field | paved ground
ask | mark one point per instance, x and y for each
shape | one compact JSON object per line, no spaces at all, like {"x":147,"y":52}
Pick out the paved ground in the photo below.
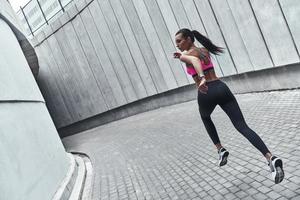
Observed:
{"x":167,"y":154}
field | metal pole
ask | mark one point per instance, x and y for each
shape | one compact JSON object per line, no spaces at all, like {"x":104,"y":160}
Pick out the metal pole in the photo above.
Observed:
{"x":42,"y":11}
{"x":26,"y":20}
{"x":61,"y":6}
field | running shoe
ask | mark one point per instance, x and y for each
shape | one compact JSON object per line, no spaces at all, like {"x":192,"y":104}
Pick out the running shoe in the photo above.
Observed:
{"x":276,"y":167}
{"x":223,"y":155}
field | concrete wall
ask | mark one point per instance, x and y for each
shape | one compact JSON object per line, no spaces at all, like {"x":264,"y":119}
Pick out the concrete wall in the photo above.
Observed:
{"x":102,"y":55}
{"x":33,"y":160}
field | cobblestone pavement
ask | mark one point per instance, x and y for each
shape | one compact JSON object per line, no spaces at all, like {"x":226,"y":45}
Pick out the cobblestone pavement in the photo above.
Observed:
{"x":167,"y":154}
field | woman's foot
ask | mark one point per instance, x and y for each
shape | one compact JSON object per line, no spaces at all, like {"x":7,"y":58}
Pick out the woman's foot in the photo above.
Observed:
{"x":276,"y":167}
{"x":223,"y":155}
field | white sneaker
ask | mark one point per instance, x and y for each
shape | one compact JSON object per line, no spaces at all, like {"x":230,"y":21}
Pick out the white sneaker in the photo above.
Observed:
{"x":276,"y":167}
{"x":223,"y":155}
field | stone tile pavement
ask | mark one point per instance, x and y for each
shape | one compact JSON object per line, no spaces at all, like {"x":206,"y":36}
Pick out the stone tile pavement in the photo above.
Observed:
{"x":167,"y":154}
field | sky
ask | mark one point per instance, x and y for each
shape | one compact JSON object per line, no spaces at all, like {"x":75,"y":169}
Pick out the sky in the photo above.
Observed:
{"x":17,"y":3}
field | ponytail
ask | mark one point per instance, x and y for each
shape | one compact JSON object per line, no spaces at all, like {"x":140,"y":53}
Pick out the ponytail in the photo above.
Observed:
{"x":202,"y":39}
{"x":207,"y":43}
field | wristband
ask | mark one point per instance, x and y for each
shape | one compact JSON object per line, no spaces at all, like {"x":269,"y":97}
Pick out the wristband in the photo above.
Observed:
{"x":201,"y":76}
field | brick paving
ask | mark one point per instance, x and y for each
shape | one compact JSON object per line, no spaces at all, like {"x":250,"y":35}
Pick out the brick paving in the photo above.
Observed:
{"x":167,"y":154}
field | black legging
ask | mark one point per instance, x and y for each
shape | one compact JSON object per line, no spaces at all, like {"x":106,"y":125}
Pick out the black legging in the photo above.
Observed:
{"x":219,"y":94}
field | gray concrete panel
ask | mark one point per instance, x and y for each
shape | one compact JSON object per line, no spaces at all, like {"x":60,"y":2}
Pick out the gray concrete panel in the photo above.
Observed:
{"x":50,"y":87}
{"x":144,"y":45}
{"x":275,"y":31}
{"x":92,"y":84}
{"x":54,"y":26}
{"x":17,"y":81}
{"x":62,"y":74}
{"x":33,"y":159}
{"x":180,"y":14}
{"x":81,"y":4}
{"x":166,"y":40}
{"x":134,"y":48}
{"x":291,"y":10}
{"x":80,"y":70}
{"x":232,"y":36}
{"x":78,"y":77}
{"x":155,"y":44}
{"x":96,"y":68}
{"x":63,"y":55}
{"x":112,"y":52}
{"x":108,"y":101}
{"x":64,"y":18}
{"x":193,"y":16}
{"x":122,"y":49}
{"x":171,"y":24}
{"x":105,"y":70}
{"x":169,"y":17}
{"x":73,"y":11}
{"x":41,"y":36}
{"x":213,"y":32}
{"x":250,"y":34}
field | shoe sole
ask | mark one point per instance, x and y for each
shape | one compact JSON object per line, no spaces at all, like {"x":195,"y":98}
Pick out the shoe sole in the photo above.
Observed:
{"x":224,"y":160}
{"x":279,"y":171}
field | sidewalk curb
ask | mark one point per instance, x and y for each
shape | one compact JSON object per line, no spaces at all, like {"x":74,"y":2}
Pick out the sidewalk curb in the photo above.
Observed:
{"x":80,"y":179}
{"x":68,"y":182}
{"x":88,"y":186}
{"x":77,"y":183}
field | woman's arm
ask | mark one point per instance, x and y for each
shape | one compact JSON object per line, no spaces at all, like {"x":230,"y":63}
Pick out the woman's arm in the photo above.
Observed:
{"x":193,"y":61}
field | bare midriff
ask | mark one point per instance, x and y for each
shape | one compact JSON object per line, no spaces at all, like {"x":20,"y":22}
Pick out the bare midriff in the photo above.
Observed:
{"x":210,"y":75}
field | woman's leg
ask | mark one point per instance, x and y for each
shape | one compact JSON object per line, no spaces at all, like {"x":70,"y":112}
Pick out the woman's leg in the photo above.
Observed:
{"x":232,"y":109}
{"x":229,"y":104}
{"x":206,"y":107}
{"x":212,"y":132}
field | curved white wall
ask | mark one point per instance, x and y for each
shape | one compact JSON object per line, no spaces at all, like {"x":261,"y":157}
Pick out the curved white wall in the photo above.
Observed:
{"x":15,"y":73}
{"x":33,"y":160}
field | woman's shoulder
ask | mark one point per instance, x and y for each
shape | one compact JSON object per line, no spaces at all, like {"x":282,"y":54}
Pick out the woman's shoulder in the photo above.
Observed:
{"x":198,"y":50}
{"x":202,"y":48}
{"x":194,"y":52}
{"x":204,"y":55}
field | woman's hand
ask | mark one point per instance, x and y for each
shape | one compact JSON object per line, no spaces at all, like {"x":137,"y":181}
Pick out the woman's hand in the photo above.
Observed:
{"x":202,"y":87}
{"x":177,"y":55}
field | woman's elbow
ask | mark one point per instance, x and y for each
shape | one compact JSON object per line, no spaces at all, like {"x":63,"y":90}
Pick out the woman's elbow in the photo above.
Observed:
{"x":195,"y":61}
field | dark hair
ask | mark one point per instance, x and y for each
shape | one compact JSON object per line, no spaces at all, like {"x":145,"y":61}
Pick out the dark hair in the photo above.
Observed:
{"x":202,"y":39}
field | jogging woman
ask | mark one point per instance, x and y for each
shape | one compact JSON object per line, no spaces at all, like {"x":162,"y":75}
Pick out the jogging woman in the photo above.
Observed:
{"x":213,"y":92}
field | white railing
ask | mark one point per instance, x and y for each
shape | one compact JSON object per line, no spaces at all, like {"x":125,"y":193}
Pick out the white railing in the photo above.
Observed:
{"x":39,"y":13}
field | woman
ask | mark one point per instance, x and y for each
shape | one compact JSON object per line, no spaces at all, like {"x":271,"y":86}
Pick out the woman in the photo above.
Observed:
{"x":212,"y":92}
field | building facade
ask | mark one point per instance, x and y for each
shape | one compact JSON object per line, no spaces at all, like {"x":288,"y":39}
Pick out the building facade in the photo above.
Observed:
{"x":107,"y":59}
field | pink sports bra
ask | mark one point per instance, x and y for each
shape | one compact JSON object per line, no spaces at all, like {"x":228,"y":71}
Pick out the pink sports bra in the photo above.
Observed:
{"x":191,"y":70}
